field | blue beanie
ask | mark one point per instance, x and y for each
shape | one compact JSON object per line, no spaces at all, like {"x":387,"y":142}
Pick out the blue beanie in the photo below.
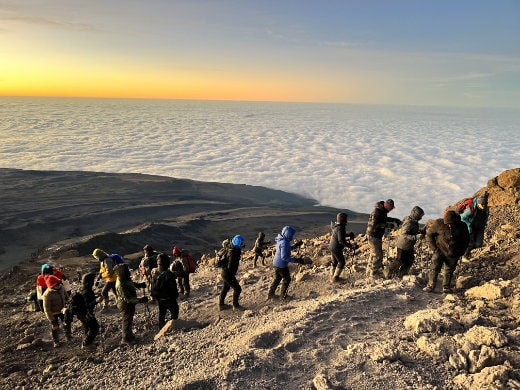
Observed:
{"x":237,"y":241}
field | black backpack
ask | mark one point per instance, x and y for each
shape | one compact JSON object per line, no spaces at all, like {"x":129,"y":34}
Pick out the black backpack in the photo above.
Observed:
{"x":163,"y":285}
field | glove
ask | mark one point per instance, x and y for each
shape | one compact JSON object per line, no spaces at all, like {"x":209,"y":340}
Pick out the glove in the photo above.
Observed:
{"x":298,"y":243}
{"x":143,"y":300}
{"x":351,"y":235}
{"x":298,"y":260}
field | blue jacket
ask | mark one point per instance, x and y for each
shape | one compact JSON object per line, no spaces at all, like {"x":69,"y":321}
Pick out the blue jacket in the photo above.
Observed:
{"x":282,"y":257}
{"x":476,"y":220}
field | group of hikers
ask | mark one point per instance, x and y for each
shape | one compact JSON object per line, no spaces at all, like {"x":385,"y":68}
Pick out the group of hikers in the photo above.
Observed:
{"x":455,"y":235}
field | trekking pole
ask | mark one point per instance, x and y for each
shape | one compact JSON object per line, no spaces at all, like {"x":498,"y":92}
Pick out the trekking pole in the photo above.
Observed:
{"x":147,"y":309}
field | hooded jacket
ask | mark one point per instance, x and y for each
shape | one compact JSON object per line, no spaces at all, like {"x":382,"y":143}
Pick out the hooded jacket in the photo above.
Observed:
{"x":477,"y":219}
{"x":338,"y":239}
{"x":125,"y":288}
{"x":282,"y":257}
{"x":448,"y":235}
{"x":377,"y":220}
{"x":54,"y":300}
{"x":410,"y":229}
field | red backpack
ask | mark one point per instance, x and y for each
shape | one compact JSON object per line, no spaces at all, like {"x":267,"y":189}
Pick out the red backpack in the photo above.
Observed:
{"x":463,"y":204}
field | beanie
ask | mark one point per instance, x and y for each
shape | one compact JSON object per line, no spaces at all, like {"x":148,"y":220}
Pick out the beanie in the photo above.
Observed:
{"x":389,"y":204}
{"x":46,"y":269}
{"x":52,"y":281}
{"x":176,"y":252}
{"x":237,"y":241}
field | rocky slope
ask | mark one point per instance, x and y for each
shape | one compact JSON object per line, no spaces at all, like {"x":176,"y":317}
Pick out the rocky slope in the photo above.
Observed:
{"x":358,"y":334}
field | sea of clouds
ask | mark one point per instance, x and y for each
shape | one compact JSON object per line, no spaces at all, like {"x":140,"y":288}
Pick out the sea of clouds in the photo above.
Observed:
{"x":345,"y":156}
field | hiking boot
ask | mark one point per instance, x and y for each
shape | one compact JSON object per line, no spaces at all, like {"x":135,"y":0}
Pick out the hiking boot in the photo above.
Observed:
{"x":447,"y":290}
{"x":238,"y":308}
{"x":68,"y":336}
{"x":223,"y":306}
{"x":272,"y":296}
{"x":428,"y":289}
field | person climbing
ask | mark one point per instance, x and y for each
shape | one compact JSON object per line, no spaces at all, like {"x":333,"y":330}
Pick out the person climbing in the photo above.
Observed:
{"x":126,"y":294}
{"x":281,"y":260}
{"x":148,"y":263}
{"x":54,"y":300}
{"x":475,"y":218}
{"x":164,"y":290}
{"x":259,"y":247}
{"x":377,"y":224}
{"x":448,"y":237}
{"x":107,"y":273}
{"x":228,"y":273}
{"x":338,"y":241}
{"x":409,"y":234}
{"x":82,"y":305}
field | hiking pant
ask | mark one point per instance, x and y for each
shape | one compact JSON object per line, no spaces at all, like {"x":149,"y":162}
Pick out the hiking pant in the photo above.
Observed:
{"x":258,"y":254}
{"x":90,"y":327}
{"x":375,"y":265}
{"x":55,"y":326}
{"x":109,"y":286}
{"x":184,"y":283}
{"x":476,"y":240}
{"x":404,"y":261}
{"x":438,"y":261}
{"x":279,"y":275}
{"x":166,"y":305}
{"x":230,"y":281}
{"x":338,"y":260}
{"x":127,"y":317}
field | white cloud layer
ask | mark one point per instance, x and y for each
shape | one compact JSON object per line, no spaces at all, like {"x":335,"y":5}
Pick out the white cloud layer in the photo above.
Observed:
{"x":345,"y":156}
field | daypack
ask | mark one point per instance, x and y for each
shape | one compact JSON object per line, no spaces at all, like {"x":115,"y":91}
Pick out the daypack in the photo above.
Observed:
{"x":118,"y":259}
{"x":163,"y":285}
{"x":463,"y":204}
{"x":222,"y":258}
{"x":192,"y":264}
{"x":177,"y":268}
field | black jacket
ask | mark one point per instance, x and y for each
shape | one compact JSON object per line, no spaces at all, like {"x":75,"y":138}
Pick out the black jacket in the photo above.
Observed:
{"x":450,"y":239}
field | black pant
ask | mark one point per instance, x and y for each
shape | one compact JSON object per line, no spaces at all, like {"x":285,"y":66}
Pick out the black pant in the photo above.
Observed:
{"x":166,"y":305}
{"x":109,"y":286}
{"x":402,"y":263}
{"x":230,"y":281}
{"x":338,"y":259}
{"x":127,"y":316}
{"x":279,"y":275}
{"x":184,"y":283}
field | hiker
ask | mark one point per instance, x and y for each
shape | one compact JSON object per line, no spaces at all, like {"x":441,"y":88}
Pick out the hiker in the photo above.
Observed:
{"x":82,"y":305}
{"x":183,"y":278}
{"x":475,"y":218}
{"x":259,"y":247}
{"x":41,"y":284}
{"x":54,"y":300}
{"x":410,"y":233}
{"x":107,"y":273}
{"x":229,"y":271}
{"x":164,"y":290}
{"x":282,"y":258}
{"x":148,"y":263}
{"x":449,"y":238}
{"x":338,"y":241}
{"x":377,"y":224}
{"x":126,"y":301}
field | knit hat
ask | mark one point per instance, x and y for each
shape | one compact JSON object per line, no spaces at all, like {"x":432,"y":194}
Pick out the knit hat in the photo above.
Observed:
{"x":451,"y":217}
{"x":237,"y":241}
{"x":46,"y":269}
{"x":176,"y":252}
{"x":52,"y":281}
{"x":389,"y":204}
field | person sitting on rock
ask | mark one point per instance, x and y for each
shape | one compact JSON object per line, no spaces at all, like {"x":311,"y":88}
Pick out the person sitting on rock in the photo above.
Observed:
{"x":281,"y":260}
{"x":448,"y":237}
{"x":406,"y":240}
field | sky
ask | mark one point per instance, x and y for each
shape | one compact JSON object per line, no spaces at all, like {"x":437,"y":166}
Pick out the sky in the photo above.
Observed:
{"x":459,"y":53}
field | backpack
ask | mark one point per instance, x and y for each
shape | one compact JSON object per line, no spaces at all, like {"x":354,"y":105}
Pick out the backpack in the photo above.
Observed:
{"x":461,"y":206}
{"x":177,"y":268}
{"x":117,"y":258}
{"x":163,"y":285}
{"x":192,"y":264}
{"x":222,"y":258}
